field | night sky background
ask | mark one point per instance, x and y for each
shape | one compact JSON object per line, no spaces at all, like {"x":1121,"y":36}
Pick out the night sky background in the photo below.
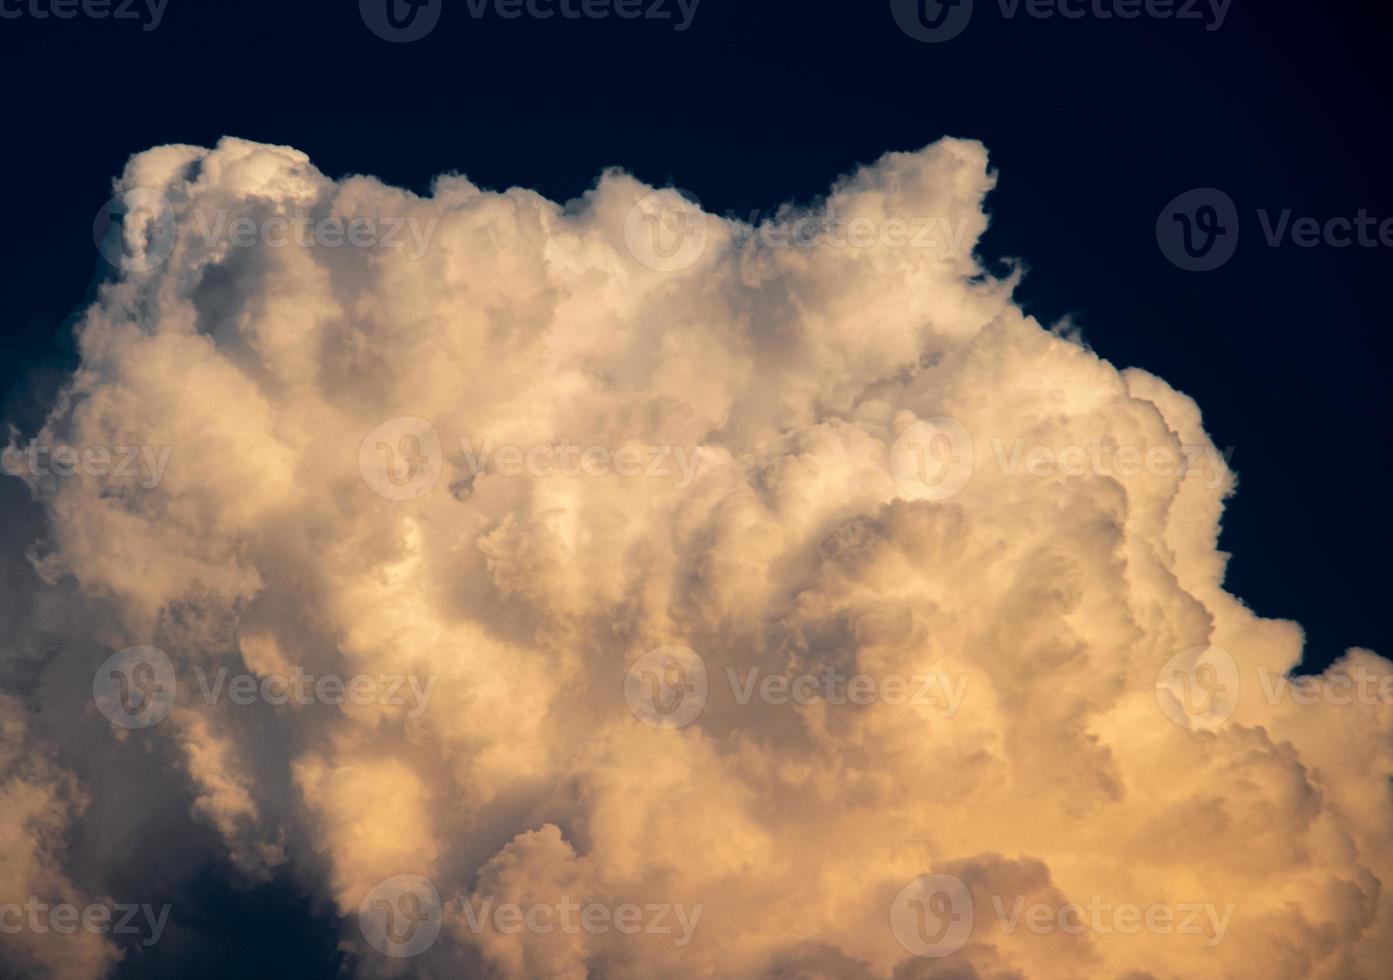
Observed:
{"x":1092,"y":125}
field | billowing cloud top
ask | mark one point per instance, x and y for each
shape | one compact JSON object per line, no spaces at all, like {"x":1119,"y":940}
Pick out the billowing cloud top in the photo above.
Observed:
{"x":781,"y":581}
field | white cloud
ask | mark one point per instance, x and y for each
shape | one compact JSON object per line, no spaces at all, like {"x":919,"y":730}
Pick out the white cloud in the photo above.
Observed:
{"x":40,"y":802}
{"x":1054,"y":599}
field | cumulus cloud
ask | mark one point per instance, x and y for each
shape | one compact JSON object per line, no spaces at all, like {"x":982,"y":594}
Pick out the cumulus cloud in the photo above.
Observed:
{"x":40,"y":801}
{"x":931,"y":558}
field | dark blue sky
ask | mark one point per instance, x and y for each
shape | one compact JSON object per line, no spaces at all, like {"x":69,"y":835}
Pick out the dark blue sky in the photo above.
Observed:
{"x":1093,"y":125}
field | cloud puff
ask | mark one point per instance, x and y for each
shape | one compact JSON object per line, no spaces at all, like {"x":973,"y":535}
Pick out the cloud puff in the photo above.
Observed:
{"x":40,"y":801}
{"x":931,"y":555}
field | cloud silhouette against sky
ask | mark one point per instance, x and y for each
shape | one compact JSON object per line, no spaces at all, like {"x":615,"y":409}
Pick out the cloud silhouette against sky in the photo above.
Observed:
{"x":948,"y":581}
